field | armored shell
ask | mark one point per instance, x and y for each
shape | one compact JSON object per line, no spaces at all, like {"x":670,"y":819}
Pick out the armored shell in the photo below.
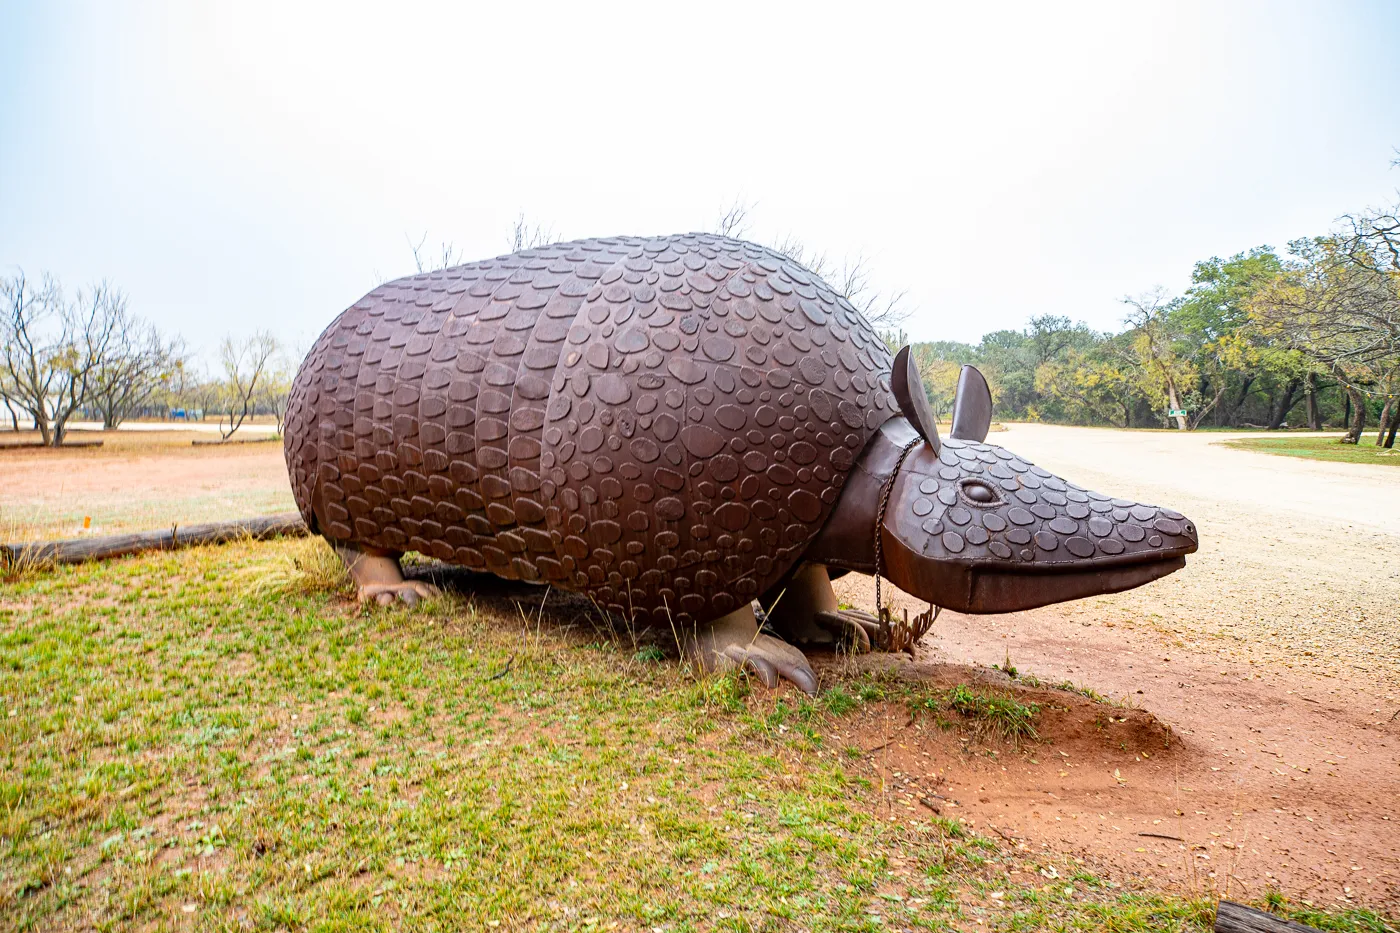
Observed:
{"x":662,"y":423}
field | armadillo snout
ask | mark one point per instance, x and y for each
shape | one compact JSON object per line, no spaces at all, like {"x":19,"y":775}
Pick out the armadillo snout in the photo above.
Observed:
{"x":977,"y":514}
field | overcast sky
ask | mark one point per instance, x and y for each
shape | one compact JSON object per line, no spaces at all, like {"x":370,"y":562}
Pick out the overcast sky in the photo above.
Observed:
{"x":237,"y":166}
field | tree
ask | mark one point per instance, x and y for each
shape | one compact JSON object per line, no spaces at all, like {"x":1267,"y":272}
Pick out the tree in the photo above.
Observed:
{"x":1098,"y":384}
{"x":447,"y":257}
{"x":525,"y":235}
{"x":1338,"y":305}
{"x":7,"y":392}
{"x":734,"y":222}
{"x":245,"y":363}
{"x":50,"y":348}
{"x":1165,"y":370}
{"x":139,"y":361}
{"x":276,"y":389}
{"x":1232,"y":359}
{"x":885,"y":311}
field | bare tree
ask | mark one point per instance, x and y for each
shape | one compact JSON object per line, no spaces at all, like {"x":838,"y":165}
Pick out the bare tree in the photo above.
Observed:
{"x":8,"y":391}
{"x":850,"y":279}
{"x":139,"y":362}
{"x":245,"y":364}
{"x":447,"y":256}
{"x":50,"y":348}
{"x":276,"y":389}
{"x":734,"y":222}
{"x":1372,"y":237}
{"x":884,"y":310}
{"x":524,"y":235}
{"x":1341,"y":309}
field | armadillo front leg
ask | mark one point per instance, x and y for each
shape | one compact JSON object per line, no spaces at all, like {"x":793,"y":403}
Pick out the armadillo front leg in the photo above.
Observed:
{"x":807,"y":613}
{"x":733,"y":641}
{"x":377,"y":575}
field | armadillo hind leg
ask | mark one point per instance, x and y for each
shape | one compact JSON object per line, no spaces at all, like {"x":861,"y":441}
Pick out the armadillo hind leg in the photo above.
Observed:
{"x":806,"y":613}
{"x":733,"y":642}
{"x":378,"y":577}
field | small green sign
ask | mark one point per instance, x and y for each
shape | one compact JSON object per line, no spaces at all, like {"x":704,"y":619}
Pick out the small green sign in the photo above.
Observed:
{"x":1177,"y":413}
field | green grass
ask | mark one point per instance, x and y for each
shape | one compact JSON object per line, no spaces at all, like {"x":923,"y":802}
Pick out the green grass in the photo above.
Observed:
{"x":217,"y":739}
{"x":1321,"y":448}
{"x":999,"y":715}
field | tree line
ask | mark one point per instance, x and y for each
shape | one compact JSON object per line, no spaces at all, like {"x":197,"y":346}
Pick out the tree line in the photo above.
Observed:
{"x":86,"y":356}
{"x":1261,"y":339}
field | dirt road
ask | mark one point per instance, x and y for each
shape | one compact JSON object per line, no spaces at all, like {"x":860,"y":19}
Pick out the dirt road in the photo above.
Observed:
{"x":137,"y":481}
{"x":1274,"y":657}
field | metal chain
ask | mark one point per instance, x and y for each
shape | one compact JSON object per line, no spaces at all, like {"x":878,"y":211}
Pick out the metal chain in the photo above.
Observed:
{"x":880,"y":520}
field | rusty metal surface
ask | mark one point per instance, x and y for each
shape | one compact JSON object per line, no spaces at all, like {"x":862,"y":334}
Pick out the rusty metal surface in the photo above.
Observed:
{"x":972,"y":413}
{"x":662,"y":423}
{"x":990,"y":532}
{"x":973,"y":527}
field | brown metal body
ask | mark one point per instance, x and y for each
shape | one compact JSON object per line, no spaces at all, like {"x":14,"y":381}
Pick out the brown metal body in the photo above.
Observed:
{"x":670,"y":425}
{"x":661,"y":423}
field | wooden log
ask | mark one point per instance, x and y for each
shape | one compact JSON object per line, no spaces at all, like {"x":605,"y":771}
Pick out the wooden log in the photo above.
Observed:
{"x":203,"y":442}
{"x":80,"y":550}
{"x":1236,"y":918}
{"x":40,"y":445}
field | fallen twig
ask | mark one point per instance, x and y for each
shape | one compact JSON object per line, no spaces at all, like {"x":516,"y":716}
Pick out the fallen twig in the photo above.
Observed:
{"x":1162,"y":836}
{"x":503,"y":671}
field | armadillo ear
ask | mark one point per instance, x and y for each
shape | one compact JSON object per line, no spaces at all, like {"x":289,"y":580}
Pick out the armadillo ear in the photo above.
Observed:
{"x":913,"y":401}
{"x":972,"y":412}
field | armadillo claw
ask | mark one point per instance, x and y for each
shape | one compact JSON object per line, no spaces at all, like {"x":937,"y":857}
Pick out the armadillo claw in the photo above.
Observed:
{"x":850,"y":627}
{"x":410,"y":592}
{"x":771,"y":658}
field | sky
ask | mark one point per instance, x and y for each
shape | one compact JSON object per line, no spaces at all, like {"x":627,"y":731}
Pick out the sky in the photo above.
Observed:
{"x":235,"y":167}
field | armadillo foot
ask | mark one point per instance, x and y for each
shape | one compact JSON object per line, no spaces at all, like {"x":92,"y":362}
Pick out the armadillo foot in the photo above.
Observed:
{"x":855,"y":630}
{"x":378,"y":576}
{"x":411,"y":592}
{"x":806,"y":613}
{"x":733,"y":642}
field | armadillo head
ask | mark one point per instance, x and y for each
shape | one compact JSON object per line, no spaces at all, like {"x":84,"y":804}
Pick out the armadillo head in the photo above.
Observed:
{"x":972,"y":527}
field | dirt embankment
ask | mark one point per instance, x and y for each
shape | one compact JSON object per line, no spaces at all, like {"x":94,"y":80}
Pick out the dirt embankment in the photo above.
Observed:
{"x":1274,"y":658}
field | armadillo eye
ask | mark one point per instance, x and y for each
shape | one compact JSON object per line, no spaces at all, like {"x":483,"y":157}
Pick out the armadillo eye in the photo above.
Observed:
{"x":979,"y":492}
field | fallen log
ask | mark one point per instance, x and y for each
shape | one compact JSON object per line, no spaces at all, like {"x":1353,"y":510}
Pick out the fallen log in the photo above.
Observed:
{"x":1236,"y":918}
{"x":80,"y":550}
{"x":210,"y":442}
{"x":40,"y":445}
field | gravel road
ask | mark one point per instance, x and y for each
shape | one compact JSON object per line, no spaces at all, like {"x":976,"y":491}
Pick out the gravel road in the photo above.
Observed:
{"x":1274,"y":656}
{"x":1299,"y":559}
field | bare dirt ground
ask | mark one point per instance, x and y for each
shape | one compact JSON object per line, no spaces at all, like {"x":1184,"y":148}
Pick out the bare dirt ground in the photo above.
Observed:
{"x":137,"y":480}
{"x":1274,"y":657}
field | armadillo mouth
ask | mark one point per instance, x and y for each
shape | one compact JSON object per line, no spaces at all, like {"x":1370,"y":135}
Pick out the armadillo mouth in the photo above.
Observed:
{"x":981,"y":588}
{"x":990,"y":590}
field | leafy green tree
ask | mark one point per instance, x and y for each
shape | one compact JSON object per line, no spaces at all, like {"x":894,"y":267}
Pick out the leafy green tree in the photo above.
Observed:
{"x":1338,"y":306}
{"x":1094,"y":386}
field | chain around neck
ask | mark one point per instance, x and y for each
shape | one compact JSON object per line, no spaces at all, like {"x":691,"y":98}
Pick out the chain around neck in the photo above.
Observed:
{"x":885,"y":493}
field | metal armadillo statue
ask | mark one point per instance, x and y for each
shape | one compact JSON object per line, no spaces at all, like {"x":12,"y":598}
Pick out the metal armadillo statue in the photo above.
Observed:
{"x":677,"y":426}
